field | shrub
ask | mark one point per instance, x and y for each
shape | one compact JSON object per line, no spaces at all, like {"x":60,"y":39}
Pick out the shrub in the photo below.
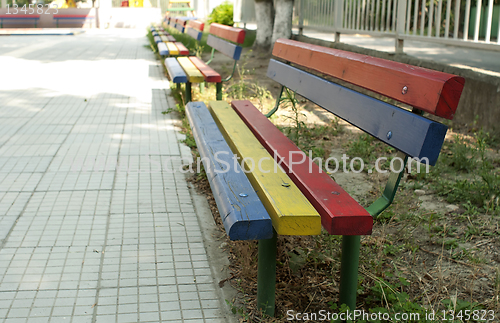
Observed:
{"x":222,"y":14}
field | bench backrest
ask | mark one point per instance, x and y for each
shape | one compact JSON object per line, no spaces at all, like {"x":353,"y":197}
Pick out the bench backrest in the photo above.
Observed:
{"x":180,"y":24}
{"x":195,"y":29}
{"x":226,"y":40}
{"x":425,"y":90}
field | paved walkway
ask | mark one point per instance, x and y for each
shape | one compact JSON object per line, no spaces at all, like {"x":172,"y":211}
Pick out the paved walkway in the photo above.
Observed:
{"x":94,"y":224}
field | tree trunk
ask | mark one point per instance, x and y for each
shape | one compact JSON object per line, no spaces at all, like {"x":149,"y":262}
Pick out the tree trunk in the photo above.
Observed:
{"x":264,"y":13}
{"x":283,"y":20}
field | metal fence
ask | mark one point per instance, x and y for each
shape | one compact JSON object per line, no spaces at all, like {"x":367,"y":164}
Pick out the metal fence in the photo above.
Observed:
{"x":457,"y":22}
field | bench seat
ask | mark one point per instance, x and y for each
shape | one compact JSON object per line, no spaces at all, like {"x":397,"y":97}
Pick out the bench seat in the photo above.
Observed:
{"x":242,"y":213}
{"x":194,"y":70}
{"x":290,"y":211}
{"x":340,"y":213}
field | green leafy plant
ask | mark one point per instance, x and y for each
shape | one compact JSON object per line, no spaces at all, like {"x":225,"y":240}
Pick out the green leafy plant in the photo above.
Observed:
{"x":222,"y":14}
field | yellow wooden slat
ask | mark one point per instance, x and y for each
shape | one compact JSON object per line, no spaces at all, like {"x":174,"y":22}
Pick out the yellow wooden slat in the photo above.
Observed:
{"x":194,"y":75}
{"x":172,"y":49}
{"x":164,"y":38}
{"x":290,"y":211}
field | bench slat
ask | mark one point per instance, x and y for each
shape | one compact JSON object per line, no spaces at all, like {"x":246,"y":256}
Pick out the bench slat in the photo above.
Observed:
{"x":434,"y":92}
{"x":157,"y":39}
{"x":340,"y":213}
{"x":164,"y":38}
{"x":236,"y":35}
{"x":179,"y":27}
{"x":171,"y":38}
{"x":182,"y":49}
{"x":291,"y":212}
{"x":172,"y":49}
{"x":163,"y":49}
{"x":196,"y":24}
{"x":193,"y":74}
{"x":175,"y":70}
{"x":194,"y":33}
{"x":228,"y":49}
{"x":210,"y":75}
{"x":244,"y":217}
{"x":412,"y":134}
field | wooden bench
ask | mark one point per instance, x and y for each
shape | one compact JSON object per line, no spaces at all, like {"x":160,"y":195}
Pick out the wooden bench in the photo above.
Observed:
{"x":307,"y":70}
{"x":224,"y":39}
{"x":166,"y":43}
{"x":18,"y":18}
{"x":72,"y":18}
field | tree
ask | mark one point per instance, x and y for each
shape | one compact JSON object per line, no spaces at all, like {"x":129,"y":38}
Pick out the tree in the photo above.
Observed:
{"x":264,"y":14}
{"x":283,"y":20}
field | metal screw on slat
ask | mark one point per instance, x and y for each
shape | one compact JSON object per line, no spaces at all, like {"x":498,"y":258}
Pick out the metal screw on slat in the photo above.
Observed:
{"x":285,"y":185}
{"x":335,"y":193}
{"x":389,"y":135}
{"x":243,"y":195}
{"x":405,"y":90}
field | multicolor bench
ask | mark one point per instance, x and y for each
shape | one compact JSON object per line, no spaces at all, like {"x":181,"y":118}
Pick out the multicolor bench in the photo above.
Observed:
{"x":302,"y":197}
{"x":72,"y":19}
{"x":166,"y":43}
{"x":18,"y":18}
{"x":188,"y":70}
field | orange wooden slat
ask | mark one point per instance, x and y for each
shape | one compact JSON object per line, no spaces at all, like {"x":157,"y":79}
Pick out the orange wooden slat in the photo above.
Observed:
{"x":196,"y":24}
{"x":233,"y":34}
{"x":434,"y":92}
{"x":182,"y":49}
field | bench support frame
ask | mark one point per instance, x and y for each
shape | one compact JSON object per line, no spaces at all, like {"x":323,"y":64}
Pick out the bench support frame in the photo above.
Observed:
{"x":266,"y":275}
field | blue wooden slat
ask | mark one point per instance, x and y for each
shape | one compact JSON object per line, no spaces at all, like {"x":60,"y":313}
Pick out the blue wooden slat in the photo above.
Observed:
{"x":157,"y":39}
{"x":243,"y":214}
{"x":163,"y":49}
{"x":194,"y":33}
{"x":175,"y":70}
{"x":179,"y":27}
{"x":412,"y":134}
{"x":231,"y":50}
{"x":155,"y":33}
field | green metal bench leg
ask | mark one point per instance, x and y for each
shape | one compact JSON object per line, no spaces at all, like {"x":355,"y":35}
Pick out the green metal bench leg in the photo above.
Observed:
{"x":188,"y":92}
{"x":266,"y":275}
{"x":202,"y":87}
{"x":349,"y":270}
{"x":218,"y":88}
{"x":178,"y":86}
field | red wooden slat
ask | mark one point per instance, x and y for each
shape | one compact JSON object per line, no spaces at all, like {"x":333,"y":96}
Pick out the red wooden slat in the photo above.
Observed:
{"x":210,"y":75}
{"x":182,"y":49}
{"x":340,"y":213}
{"x":196,"y":24}
{"x":233,"y":34}
{"x":434,"y":92}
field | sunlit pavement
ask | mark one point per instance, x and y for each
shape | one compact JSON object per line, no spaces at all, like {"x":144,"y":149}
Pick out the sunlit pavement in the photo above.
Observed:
{"x":95,"y":224}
